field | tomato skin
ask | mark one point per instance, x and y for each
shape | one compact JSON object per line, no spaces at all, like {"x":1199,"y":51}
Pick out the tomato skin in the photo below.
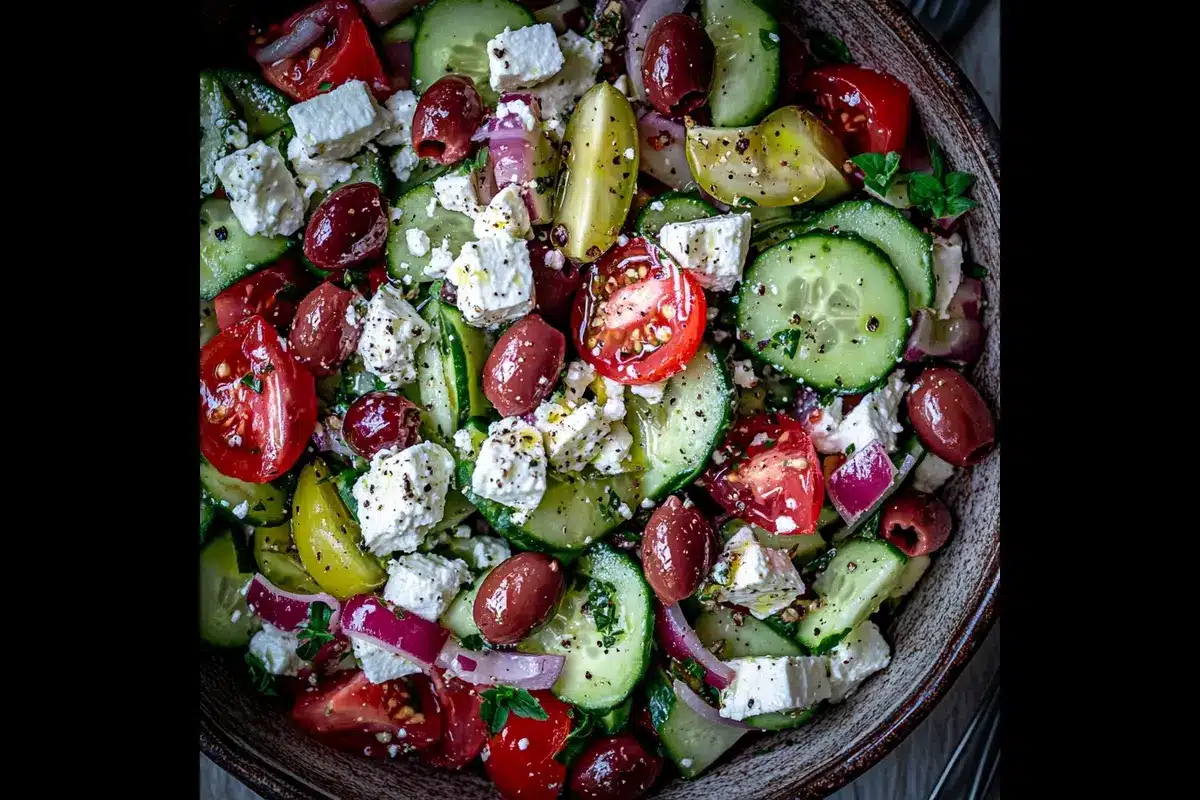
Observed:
{"x":464,"y":733}
{"x":348,"y":711}
{"x":882,"y":101}
{"x":532,"y":773}
{"x":779,"y":476}
{"x":254,"y":436}
{"x":271,"y":292}
{"x":346,"y":54}
{"x":613,"y":312}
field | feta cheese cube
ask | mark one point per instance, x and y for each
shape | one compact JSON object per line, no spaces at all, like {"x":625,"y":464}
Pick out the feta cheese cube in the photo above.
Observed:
{"x":338,"y":123}
{"x":380,"y":665}
{"x":457,"y":193}
{"x":440,"y":260}
{"x":652,"y":393}
{"x":316,"y":174}
{"x":511,"y":466}
{"x":947,"y":271}
{"x":425,"y":584}
{"x":494,"y":280}
{"x":520,"y":109}
{"x":506,"y":213}
{"x":261,"y":191}
{"x":714,"y":248}
{"x":931,"y":473}
{"x":581,"y":61}
{"x":764,"y":685}
{"x":400,"y":108}
{"x":614,"y":450}
{"x":391,"y":334}
{"x":614,"y":400}
{"x":861,"y":654}
{"x":875,"y":417}
{"x":277,"y":649}
{"x":579,"y":377}
{"x":402,"y":161}
{"x":743,"y":374}
{"x":518,"y":59}
{"x":463,"y":443}
{"x":403,"y":496}
{"x":763,"y":579}
{"x":573,"y":437}
{"x":417,"y":241}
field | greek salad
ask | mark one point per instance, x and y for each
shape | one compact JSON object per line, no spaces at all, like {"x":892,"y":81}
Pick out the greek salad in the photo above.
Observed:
{"x":575,"y":382}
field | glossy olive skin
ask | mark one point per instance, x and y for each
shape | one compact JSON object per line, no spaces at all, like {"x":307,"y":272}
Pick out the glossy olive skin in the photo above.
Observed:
{"x":447,"y":116}
{"x":614,"y":768}
{"x":322,"y":337}
{"x":349,"y":227}
{"x":677,"y":65}
{"x":554,"y":289}
{"x":328,"y":538}
{"x":950,"y":417}
{"x":677,"y":550}
{"x":381,"y":420}
{"x":517,"y":596}
{"x":915,"y":522}
{"x":523,"y":367}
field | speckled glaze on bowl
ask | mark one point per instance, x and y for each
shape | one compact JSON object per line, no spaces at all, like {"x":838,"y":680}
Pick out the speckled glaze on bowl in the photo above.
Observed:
{"x":934,"y":635}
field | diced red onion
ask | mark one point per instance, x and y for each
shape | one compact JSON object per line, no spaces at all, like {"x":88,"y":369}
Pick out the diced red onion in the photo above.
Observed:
{"x":411,"y":636}
{"x":305,"y":32}
{"x":565,"y":15}
{"x":696,"y":703}
{"x":499,"y":667}
{"x":967,"y":300}
{"x":682,"y":643}
{"x":661,"y":150}
{"x":904,"y":462}
{"x":953,"y":339}
{"x":382,"y":12}
{"x":859,"y":484}
{"x":644,"y":20}
{"x":328,"y":440}
{"x":286,"y":610}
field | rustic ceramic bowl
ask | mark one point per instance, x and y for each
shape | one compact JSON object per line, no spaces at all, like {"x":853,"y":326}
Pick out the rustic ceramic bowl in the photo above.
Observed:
{"x":934,"y":635}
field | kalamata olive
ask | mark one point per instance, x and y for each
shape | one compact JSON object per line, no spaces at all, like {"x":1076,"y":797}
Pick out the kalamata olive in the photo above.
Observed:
{"x":446,"y":118}
{"x":323,"y":334}
{"x":950,"y":417}
{"x":381,"y":420}
{"x":677,"y":65}
{"x":349,"y":227}
{"x":555,"y":281}
{"x":614,"y":768}
{"x":677,"y":550}
{"x":523,"y":366}
{"x":517,"y":596}
{"x":915,"y":522}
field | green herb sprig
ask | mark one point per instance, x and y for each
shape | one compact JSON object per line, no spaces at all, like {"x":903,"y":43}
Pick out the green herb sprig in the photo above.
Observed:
{"x":498,"y":702}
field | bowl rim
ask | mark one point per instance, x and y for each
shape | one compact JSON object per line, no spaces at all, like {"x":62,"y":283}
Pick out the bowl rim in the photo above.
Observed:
{"x":271,"y":781}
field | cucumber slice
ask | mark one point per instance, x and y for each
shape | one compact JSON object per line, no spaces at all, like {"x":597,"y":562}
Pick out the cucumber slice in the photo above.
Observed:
{"x":222,"y":578}
{"x":265,"y":503}
{"x":452,"y":38}
{"x":860,"y":576}
{"x":216,"y":114}
{"x":747,"y":66}
{"x":403,"y":31}
{"x":414,"y":207}
{"x":802,"y":549}
{"x":671,"y":207}
{"x":781,"y":720}
{"x":675,"y":437}
{"x":617,"y":719}
{"x":459,"y":617}
{"x":750,"y":639}
{"x":228,"y":253}
{"x":775,"y":234}
{"x":692,"y":742}
{"x":456,"y":510}
{"x":596,"y":677}
{"x":277,"y":559}
{"x":464,"y":351}
{"x":439,"y":405}
{"x":910,"y":250}
{"x":829,"y":309}
{"x":263,"y":106}
{"x":207,"y":513}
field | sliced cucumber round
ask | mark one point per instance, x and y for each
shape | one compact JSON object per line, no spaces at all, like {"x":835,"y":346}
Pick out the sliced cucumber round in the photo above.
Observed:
{"x":691,"y":741}
{"x":828,"y":309}
{"x":747,"y":69}
{"x":414,"y":207}
{"x":459,"y":617}
{"x":860,"y":576}
{"x":781,"y":720}
{"x":225,"y":619}
{"x":452,"y":38}
{"x":227,"y":252}
{"x":671,"y":207}
{"x":747,"y":639}
{"x":251,"y":503}
{"x":769,"y":237}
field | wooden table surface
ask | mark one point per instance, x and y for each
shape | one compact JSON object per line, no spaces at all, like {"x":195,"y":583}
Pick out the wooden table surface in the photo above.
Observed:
{"x":912,"y":769}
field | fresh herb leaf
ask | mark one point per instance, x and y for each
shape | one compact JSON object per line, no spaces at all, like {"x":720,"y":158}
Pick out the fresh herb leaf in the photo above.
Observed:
{"x":940,"y":194}
{"x":879,"y":171}
{"x":659,"y":699}
{"x":850,"y":449}
{"x":603,"y":609}
{"x":936,"y":159}
{"x":316,"y":631}
{"x":479,"y":161}
{"x":923,"y":188}
{"x":325,"y":87}
{"x":251,"y":380}
{"x":958,"y":205}
{"x":829,"y":48}
{"x":958,"y":182}
{"x":264,"y":682}
{"x":975,"y":270}
{"x":498,"y":702}
{"x":787,"y":340}
{"x":577,"y":740}
{"x":769,"y":40}
{"x":473,"y":642}
{"x":693,"y":668}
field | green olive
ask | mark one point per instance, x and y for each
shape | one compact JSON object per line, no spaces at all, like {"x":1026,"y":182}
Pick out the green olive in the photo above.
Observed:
{"x":277,"y":560}
{"x":599,"y":174}
{"x":328,"y":538}
{"x":225,"y":619}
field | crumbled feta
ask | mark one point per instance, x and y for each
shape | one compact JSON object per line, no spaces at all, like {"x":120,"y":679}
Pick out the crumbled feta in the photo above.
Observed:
{"x":522,"y":743}
{"x":520,"y":109}
{"x":573,"y":437}
{"x":425,"y":584}
{"x":581,"y":61}
{"x":766,"y":685}
{"x":380,"y":665}
{"x":947,"y":271}
{"x":277,"y":649}
{"x":241,"y":509}
{"x":403,"y":497}
{"x":337,"y":123}
{"x":511,"y":466}
{"x":316,"y":174}
{"x":506,"y":213}
{"x":463,"y":443}
{"x":614,"y":400}
{"x":743,"y":374}
{"x":440,"y":260}
{"x":875,"y":417}
{"x":861,"y":654}
{"x":487,"y":552}
{"x":763,"y":579}
{"x":931,"y":473}
{"x":579,"y":377}
{"x":456,"y":192}
{"x":391,"y":334}
{"x":494,"y":280}
{"x":614,"y":451}
{"x":403,"y":161}
{"x":262,"y":194}
{"x":659,"y":205}
{"x":519,"y":59}
{"x":400,"y":107}
{"x":236,"y":136}
{"x":417,"y":241}
{"x":652,"y":393}
{"x":714,"y":248}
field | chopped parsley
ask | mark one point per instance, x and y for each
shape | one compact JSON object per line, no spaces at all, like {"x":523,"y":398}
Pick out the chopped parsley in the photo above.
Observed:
{"x":325,"y":86}
{"x":787,"y":340}
{"x":603,"y":609}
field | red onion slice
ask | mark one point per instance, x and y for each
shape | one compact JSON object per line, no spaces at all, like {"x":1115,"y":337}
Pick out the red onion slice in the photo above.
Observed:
{"x":953,"y":339}
{"x":410,"y":636}
{"x":661,"y":148}
{"x":382,"y":12}
{"x":305,"y":32}
{"x":967,"y":300}
{"x":564,"y":15}
{"x":696,"y":703}
{"x":644,"y":20}
{"x":681,"y":643}
{"x":512,"y":146}
{"x":498,"y":667}
{"x":862,"y":482}
{"x":286,"y":610}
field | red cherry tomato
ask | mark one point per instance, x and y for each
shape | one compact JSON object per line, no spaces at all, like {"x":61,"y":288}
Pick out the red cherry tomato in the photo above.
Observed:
{"x":530,"y":773}
{"x":464,"y":732}
{"x":768,"y":473}
{"x":638,"y":318}
{"x":257,"y":405}
{"x":348,"y":711}
{"x":342,"y":54}
{"x":272,"y":292}
{"x":867,"y":109}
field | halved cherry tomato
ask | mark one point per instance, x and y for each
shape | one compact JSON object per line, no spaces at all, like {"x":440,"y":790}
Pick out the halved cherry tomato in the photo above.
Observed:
{"x":530,"y":771}
{"x":351,"y":713}
{"x":272,"y":292}
{"x":867,"y":109}
{"x":638,"y":318}
{"x":343,"y":54}
{"x":257,"y":405}
{"x":768,"y":473}
{"x":464,"y":732}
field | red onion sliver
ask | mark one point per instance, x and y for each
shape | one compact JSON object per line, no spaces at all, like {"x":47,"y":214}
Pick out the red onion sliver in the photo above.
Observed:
{"x":382,"y":12}
{"x":954,"y":339}
{"x":304,"y":33}
{"x":662,"y":153}
{"x":967,"y":300}
{"x":498,"y":667}
{"x":681,"y":643}
{"x":286,"y":610}
{"x":415,"y":638}
{"x":696,"y":703}
{"x":644,"y":19}
{"x":859,"y":484}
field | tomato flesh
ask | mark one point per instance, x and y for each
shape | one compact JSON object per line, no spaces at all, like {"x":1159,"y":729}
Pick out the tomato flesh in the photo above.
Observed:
{"x":868,"y":110}
{"x":464,"y":733}
{"x":638,"y":318}
{"x":531,"y":773}
{"x":257,"y":405}
{"x":768,"y":473}
{"x":351,"y":713}
{"x":272,"y":292}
